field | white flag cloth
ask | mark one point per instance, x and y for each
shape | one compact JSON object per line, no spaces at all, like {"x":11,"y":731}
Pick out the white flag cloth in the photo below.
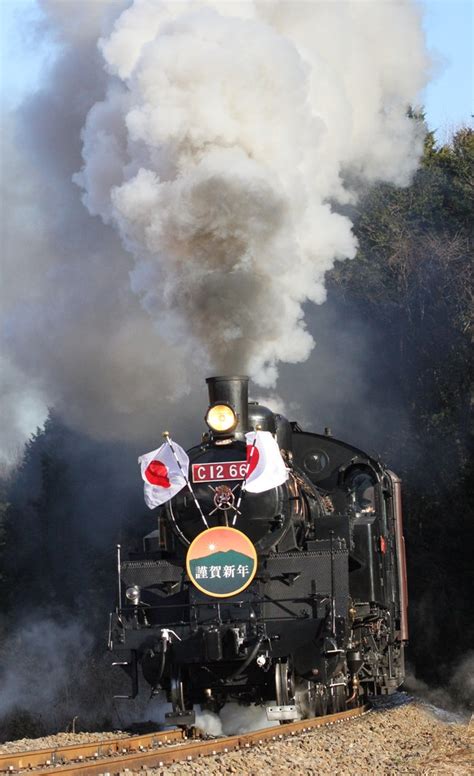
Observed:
{"x":266,"y":466}
{"x":161,"y":473}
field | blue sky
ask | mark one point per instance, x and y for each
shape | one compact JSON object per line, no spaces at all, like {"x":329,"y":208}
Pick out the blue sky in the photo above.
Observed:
{"x":449,"y":99}
{"x":449,"y":25}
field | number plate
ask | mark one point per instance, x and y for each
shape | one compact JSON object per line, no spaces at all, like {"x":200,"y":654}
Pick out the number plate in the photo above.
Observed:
{"x":224,"y":470}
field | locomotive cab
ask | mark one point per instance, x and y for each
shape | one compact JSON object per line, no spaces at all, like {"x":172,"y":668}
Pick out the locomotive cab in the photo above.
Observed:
{"x":293,"y":597}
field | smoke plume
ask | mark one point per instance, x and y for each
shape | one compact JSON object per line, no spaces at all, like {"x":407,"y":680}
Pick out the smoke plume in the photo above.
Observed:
{"x":51,"y":673}
{"x":214,"y":145}
{"x":455,"y":697}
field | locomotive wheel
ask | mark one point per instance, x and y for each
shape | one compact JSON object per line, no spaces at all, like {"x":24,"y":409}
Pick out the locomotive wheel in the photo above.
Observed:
{"x":284,"y":684}
{"x":321,"y":703}
{"x":337,"y":699}
{"x":177,"y":691}
{"x":313,"y":700}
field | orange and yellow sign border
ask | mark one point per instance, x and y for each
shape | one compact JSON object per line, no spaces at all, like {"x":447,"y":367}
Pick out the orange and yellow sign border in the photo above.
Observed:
{"x":252,"y":554}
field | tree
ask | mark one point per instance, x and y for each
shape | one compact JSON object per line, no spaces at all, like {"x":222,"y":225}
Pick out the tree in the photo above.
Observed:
{"x":412,"y":281}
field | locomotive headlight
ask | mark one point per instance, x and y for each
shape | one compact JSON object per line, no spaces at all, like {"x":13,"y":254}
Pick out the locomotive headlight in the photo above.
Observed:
{"x":133,"y":594}
{"x":221,"y":418}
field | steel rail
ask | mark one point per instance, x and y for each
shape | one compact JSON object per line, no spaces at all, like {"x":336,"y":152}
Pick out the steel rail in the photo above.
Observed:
{"x":192,"y":750}
{"x":35,"y":758}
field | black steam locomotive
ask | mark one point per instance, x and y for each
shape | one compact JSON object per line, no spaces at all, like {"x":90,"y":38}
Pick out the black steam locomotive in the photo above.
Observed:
{"x":316,"y":624}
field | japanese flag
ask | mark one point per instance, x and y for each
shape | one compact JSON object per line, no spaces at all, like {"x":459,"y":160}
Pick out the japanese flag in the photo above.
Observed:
{"x":161,"y":473}
{"x":266,"y":468}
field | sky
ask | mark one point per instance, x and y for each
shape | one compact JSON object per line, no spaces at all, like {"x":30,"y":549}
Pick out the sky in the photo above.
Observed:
{"x":449,"y":25}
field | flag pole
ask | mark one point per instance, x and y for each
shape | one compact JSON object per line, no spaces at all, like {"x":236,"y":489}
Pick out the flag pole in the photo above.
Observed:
{"x":166,"y":436}
{"x":244,"y":481}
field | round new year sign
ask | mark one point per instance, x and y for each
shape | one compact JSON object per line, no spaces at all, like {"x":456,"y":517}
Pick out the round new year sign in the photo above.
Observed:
{"x":221,"y":561}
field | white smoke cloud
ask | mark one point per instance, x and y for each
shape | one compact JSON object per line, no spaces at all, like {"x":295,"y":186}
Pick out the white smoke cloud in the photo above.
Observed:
{"x":225,"y":135}
{"x":22,"y":409}
{"x":214,"y":143}
{"x":233,"y":719}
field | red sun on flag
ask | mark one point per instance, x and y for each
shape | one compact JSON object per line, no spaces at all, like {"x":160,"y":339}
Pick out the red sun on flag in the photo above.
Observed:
{"x":252,"y":458}
{"x":157,"y":474}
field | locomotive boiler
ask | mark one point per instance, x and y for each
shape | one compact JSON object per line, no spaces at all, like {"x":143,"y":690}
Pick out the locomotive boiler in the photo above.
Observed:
{"x":293,"y":597}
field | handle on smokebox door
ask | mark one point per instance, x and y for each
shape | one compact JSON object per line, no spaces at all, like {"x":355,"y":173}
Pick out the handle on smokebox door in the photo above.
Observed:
{"x":166,"y":436}
{"x":244,"y":481}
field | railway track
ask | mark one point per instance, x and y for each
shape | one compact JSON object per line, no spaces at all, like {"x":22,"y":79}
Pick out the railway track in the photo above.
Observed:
{"x":154,"y":750}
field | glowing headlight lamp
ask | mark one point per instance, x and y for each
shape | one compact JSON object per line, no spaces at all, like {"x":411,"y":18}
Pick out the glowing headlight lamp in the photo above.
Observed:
{"x":221,"y":418}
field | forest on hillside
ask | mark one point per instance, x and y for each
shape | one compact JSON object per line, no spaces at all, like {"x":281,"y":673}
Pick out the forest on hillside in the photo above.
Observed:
{"x":413,"y":282}
{"x":70,"y":499}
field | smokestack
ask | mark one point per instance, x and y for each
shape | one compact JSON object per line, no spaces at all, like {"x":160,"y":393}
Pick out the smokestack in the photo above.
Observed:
{"x":233,"y":391}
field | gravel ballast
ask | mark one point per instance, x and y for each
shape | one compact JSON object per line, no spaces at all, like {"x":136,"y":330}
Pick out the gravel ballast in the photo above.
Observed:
{"x":56,"y":741}
{"x":408,"y":739}
{"x":405,"y":739}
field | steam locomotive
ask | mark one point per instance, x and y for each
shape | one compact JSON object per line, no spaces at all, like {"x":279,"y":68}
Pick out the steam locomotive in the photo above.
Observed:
{"x":301,"y":602}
